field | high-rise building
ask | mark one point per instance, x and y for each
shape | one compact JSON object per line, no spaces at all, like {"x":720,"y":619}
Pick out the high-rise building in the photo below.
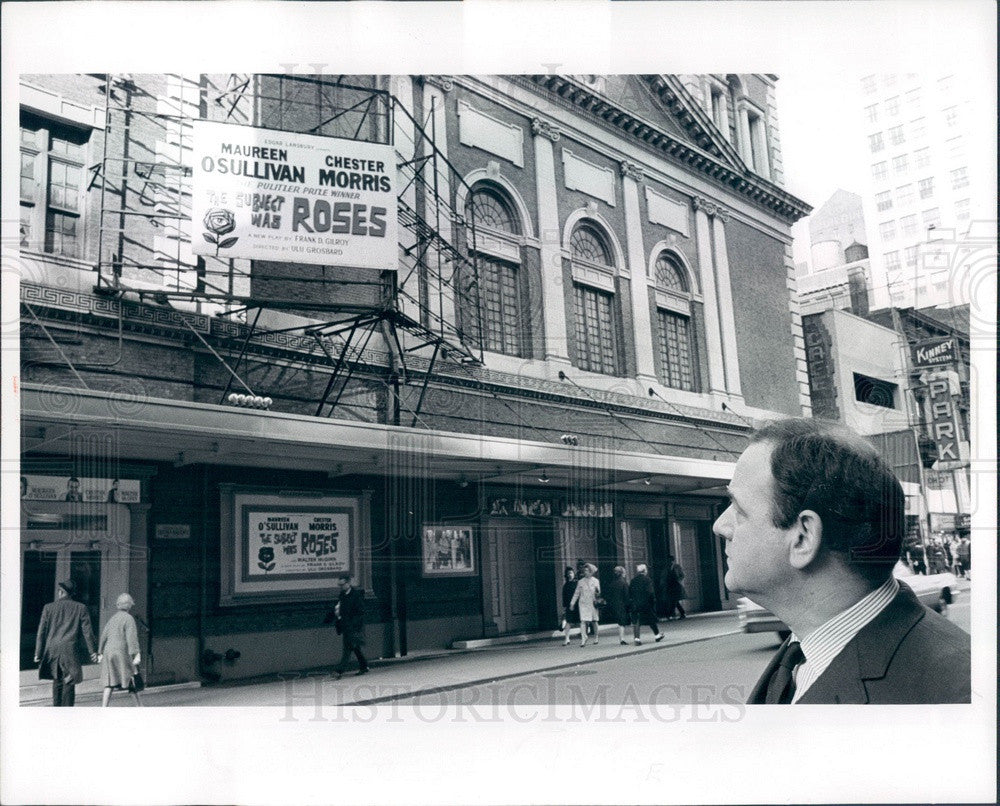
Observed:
{"x":929,"y":178}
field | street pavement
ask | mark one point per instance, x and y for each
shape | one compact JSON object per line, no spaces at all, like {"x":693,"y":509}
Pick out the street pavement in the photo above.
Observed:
{"x":702,"y":660}
{"x":399,"y":679}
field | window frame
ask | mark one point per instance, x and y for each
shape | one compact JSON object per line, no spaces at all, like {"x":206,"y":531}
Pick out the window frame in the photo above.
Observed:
{"x":596,"y":278}
{"x":500,"y":276}
{"x":39,"y":208}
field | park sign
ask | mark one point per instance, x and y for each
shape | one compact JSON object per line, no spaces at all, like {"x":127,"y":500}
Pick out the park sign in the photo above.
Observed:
{"x":934,"y":352}
{"x":285,"y":197}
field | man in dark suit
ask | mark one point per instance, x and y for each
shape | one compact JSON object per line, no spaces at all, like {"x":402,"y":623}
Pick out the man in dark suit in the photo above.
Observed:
{"x":65,"y":642}
{"x":349,"y":613}
{"x":814,"y":527}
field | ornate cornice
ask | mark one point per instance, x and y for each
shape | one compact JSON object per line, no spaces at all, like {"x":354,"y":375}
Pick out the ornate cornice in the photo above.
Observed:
{"x":697,"y":157}
{"x":543,"y":128}
{"x":632,"y":171}
{"x":443,"y":83}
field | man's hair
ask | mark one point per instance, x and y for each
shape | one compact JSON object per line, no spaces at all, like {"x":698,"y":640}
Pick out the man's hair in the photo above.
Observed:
{"x":841,"y":477}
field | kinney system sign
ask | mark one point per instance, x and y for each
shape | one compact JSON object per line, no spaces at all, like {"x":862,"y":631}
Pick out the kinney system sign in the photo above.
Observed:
{"x":296,"y":198}
{"x":933,"y":352}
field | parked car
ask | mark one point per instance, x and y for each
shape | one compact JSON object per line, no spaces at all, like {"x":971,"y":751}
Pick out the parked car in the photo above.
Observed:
{"x":936,"y":591}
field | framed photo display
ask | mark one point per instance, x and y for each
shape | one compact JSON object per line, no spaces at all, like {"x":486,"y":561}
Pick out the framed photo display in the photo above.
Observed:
{"x":447,"y":551}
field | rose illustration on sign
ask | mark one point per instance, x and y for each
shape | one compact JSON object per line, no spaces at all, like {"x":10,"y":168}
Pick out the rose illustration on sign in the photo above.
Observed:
{"x":219,"y":221}
{"x":266,"y":558}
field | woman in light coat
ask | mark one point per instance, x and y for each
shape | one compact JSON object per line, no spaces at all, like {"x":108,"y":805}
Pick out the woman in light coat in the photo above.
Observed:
{"x":587,"y":589}
{"x":118,"y":651}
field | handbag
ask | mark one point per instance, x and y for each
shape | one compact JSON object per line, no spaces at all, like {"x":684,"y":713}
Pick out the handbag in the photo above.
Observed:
{"x":599,"y":602}
{"x":137,"y":683}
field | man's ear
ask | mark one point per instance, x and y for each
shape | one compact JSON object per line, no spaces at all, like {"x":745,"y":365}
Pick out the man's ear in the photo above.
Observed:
{"x":806,"y":539}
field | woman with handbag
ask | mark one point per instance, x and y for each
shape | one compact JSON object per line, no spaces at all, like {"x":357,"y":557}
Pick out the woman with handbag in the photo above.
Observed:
{"x":118,"y":653}
{"x":571,"y":615}
{"x":587,"y":598}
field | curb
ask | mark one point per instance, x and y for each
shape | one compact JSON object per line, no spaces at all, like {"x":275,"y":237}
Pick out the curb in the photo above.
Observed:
{"x":97,"y":694}
{"x":512,"y":675}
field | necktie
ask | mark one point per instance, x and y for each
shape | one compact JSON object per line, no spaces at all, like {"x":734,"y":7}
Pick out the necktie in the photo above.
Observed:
{"x":781,"y":687}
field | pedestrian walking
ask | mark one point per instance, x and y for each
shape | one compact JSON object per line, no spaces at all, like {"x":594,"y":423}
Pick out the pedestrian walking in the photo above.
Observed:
{"x":616,"y":597}
{"x":588,"y":589}
{"x":570,"y":614}
{"x":348,"y":616}
{"x":63,"y":632}
{"x":965,"y":557}
{"x":674,"y":588}
{"x":642,"y":603}
{"x":118,"y":652}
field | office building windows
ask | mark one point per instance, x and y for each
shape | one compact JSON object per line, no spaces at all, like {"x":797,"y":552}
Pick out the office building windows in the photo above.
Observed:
{"x":896,"y":136}
{"x":908,"y":225}
{"x":868,"y":84}
{"x":932,"y":217}
{"x":926,"y":187}
{"x":887,"y":230}
{"x":871,"y":113}
{"x":899,"y":164}
{"x":875,"y":142}
{"x":892,"y":106}
{"x":910,"y":255}
{"x":962,"y":210}
{"x":880,"y":171}
{"x":891,"y":259}
{"x":959,"y":178}
{"x":905,"y":195}
{"x":918,"y":128}
{"x":883,"y":201}
{"x":956,"y":149}
{"x":951,"y":116}
{"x":923,"y":156}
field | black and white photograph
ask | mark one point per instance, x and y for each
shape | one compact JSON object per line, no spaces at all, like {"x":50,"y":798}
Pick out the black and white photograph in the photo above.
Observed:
{"x":499,"y":397}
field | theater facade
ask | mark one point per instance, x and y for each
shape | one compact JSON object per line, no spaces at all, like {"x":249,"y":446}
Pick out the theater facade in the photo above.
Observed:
{"x":451,"y":334}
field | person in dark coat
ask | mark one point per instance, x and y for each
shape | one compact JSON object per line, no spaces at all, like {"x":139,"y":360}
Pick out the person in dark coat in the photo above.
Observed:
{"x":65,"y":642}
{"x":642,"y":603}
{"x":349,"y":615}
{"x":616,"y":596}
{"x":815,"y":525}
{"x":673,"y":588}
{"x":571,"y":614}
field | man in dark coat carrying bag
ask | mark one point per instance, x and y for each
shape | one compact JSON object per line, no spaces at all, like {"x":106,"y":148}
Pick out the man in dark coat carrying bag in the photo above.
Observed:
{"x":348,"y":615}
{"x":64,"y":643}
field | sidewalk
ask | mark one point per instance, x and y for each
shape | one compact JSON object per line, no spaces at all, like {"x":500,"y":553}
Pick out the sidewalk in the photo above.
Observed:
{"x":423,"y":672}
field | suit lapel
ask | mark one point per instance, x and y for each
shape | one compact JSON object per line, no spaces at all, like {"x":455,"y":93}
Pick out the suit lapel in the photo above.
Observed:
{"x":867,"y":656}
{"x":759,"y":693}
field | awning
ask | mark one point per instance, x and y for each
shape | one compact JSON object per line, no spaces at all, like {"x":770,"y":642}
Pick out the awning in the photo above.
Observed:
{"x":184,"y":433}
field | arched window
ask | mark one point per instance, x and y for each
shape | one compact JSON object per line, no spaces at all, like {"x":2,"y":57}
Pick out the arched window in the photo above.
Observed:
{"x":588,"y":244}
{"x":498,"y":262}
{"x":669,"y":275}
{"x":594,"y":301}
{"x":674,"y":348}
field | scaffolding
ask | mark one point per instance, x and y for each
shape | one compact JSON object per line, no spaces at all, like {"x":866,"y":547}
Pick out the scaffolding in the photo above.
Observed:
{"x":428,"y":307}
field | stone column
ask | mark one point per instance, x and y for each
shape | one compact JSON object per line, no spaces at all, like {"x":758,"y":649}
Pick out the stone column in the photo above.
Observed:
{"x":642,"y":327}
{"x":725,"y":296}
{"x":550,"y":239}
{"x":743,"y":123}
{"x":706,"y":270}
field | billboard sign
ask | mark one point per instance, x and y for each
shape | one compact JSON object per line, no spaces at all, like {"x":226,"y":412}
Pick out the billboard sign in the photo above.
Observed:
{"x":296,"y":198}
{"x":933,"y":352}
